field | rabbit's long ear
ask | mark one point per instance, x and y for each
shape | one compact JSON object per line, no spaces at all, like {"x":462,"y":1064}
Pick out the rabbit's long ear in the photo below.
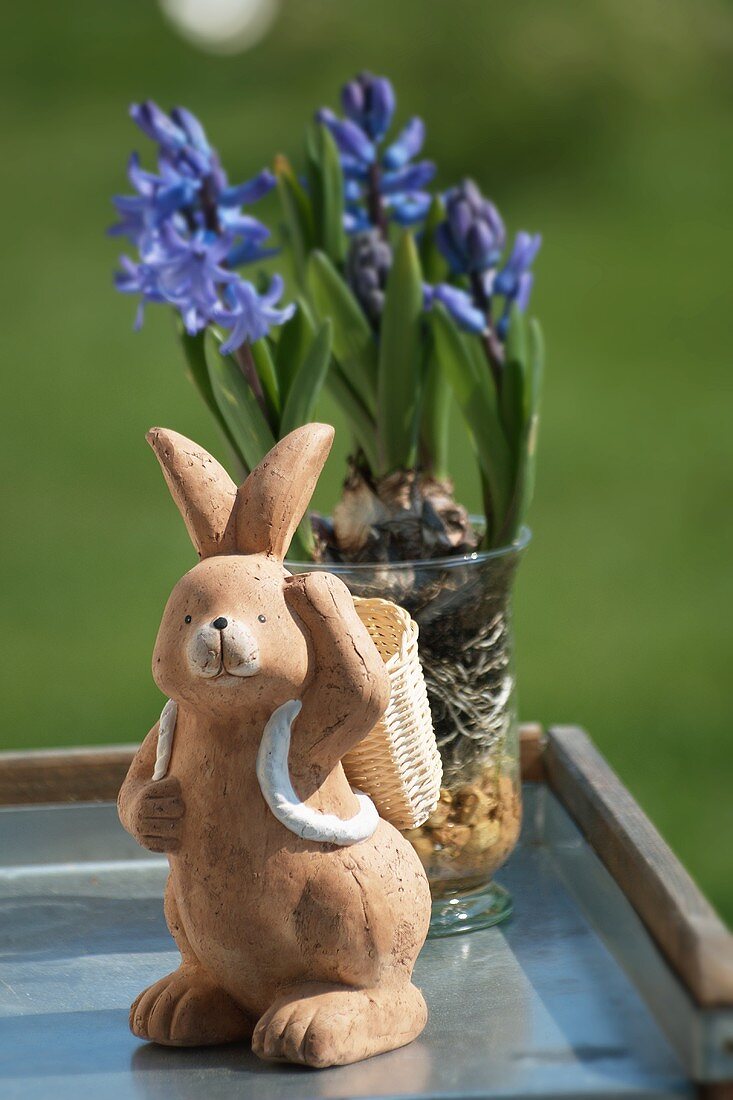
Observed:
{"x":202,"y":489}
{"x":273,"y":499}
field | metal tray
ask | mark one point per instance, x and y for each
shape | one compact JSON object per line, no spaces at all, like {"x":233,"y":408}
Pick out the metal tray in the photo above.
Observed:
{"x":573,"y":997}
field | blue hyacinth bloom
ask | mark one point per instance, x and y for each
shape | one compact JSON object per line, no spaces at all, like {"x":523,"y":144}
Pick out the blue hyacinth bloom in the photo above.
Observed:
{"x":472,"y":237}
{"x":514,"y":281}
{"x":508,"y":281}
{"x":190,"y":182}
{"x":411,"y":178}
{"x":406,"y":146}
{"x":369,"y":101}
{"x":350,"y":139}
{"x":408,"y":209}
{"x":369,"y":104}
{"x":156,"y":125}
{"x":138,"y":279}
{"x":190,"y":230}
{"x":246,"y":193}
{"x":459,"y":304}
{"x":250,"y":315}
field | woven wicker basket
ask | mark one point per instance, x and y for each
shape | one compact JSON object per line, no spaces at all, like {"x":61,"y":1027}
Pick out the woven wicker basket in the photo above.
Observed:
{"x":398,"y":763}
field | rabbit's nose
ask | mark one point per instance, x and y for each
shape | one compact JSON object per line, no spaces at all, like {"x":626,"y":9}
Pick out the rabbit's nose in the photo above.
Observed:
{"x":220,"y":624}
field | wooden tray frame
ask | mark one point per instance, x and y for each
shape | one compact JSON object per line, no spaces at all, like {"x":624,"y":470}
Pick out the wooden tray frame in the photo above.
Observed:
{"x":683,"y":925}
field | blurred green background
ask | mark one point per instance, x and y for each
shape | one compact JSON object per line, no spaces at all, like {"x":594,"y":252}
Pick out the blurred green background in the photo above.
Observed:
{"x":607,"y":126}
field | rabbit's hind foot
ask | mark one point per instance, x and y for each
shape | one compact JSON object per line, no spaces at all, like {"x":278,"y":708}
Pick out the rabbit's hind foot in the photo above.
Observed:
{"x":186,"y":1009}
{"x":331,"y":1025}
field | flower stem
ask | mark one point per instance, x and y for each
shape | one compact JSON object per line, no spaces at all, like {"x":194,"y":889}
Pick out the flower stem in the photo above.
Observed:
{"x":208,"y":205}
{"x":491,"y":342}
{"x":245,"y":359}
{"x":374,"y":201}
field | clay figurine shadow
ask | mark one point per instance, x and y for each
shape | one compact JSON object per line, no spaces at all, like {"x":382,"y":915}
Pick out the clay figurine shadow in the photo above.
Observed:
{"x":164,"y":1073}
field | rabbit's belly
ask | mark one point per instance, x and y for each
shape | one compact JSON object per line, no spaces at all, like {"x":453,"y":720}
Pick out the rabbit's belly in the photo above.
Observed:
{"x":299,"y":915}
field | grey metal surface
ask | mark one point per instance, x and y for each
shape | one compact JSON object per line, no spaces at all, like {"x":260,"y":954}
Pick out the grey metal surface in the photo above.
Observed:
{"x":538,"y":1007}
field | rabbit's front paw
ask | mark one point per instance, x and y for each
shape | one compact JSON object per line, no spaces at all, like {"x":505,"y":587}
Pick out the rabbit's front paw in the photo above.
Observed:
{"x":156,"y":816}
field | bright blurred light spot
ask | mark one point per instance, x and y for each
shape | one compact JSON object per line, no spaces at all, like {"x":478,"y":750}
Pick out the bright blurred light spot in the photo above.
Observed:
{"x":222,"y":26}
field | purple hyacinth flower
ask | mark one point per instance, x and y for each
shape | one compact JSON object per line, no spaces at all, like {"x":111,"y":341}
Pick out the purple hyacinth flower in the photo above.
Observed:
{"x":189,"y":270}
{"x":356,"y":220}
{"x":472,"y":236}
{"x":410,"y":208}
{"x":249,"y":250}
{"x":350,"y":138}
{"x":369,"y":102}
{"x":352,"y":168}
{"x":380,"y":107}
{"x":188,"y":224}
{"x":508,"y":280}
{"x":352,"y":192}
{"x":250,"y":315}
{"x":138,"y":279}
{"x":406,"y":145}
{"x":444,"y":241}
{"x":524,"y":290}
{"x":378,"y":184}
{"x":413,"y":177}
{"x":192,"y":128}
{"x":521,"y":299}
{"x":156,"y":124}
{"x":180,"y":136}
{"x":353,"y":99}
{"x":137,"y":217}
{"x":251,"y":191}
{"x":459,"y":304}
{"x":236,"y":224}
{"x":157,"y":198}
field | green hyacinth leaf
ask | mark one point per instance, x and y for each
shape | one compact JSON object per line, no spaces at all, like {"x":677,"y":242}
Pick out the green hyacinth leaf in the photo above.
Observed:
{"x":527,"y":464}
{"x":536,"y":360}
{"x":479,"y":409}
{"x":297,"y":214}
{"x":515,"y":377}
{"x":401,"y":353}
{"x":353,"y":340}
{"x":361,"y":423}
{"x":263,"y":360}
{"x":334,"y":236}
{"x":195,"y":355}
{"x":326,"y":188}
{"x":516,"y":339}
{"x":295,"y":338}
{"x":511,"y":401}
{"x":237,"y":404}
{"x":435,"y":420}
{"x":308,"y":382}
{"x":433,"y":262}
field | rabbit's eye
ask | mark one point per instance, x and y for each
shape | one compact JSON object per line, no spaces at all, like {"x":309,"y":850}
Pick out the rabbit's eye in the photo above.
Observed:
{"x":262,"y":618}
{"x":187,"y":619}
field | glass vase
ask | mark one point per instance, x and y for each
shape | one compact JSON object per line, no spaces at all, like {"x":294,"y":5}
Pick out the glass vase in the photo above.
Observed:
{"x":462,"y":606}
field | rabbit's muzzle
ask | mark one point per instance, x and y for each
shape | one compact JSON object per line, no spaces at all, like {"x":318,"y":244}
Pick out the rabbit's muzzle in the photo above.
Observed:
{"x":228,"y":649}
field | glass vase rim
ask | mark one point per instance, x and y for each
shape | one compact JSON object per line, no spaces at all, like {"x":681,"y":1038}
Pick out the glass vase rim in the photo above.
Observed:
{"x":451,"y":561}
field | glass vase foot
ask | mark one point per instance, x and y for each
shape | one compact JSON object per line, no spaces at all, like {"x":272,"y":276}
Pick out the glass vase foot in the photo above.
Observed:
{"x":482,"y":908}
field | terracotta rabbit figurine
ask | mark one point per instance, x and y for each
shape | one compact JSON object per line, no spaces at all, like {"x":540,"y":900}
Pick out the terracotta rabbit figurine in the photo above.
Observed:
{"x":298,"y":912}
